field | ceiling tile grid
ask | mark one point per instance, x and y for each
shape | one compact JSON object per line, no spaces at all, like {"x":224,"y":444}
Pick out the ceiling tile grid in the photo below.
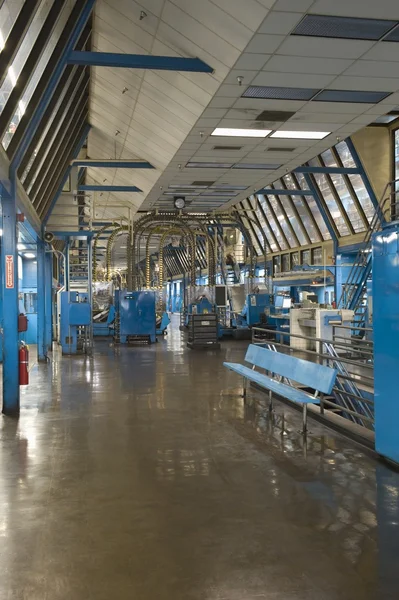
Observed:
{"x":167,"y":118}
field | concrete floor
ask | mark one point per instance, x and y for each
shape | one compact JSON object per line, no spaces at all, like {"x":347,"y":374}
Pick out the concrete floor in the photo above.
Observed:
{"x":138,"y":474}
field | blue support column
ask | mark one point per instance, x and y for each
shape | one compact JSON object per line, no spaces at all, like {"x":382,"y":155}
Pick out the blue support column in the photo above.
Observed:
{"x":48,"y":328}
{"x":9,"y":286}
{"x":41,"y":302}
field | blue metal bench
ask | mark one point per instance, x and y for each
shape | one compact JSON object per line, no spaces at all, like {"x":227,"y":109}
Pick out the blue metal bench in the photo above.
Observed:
{"x":317,"y":377}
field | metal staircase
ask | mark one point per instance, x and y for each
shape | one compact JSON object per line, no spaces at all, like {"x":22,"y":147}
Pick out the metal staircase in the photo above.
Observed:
{"x":354,"y":292}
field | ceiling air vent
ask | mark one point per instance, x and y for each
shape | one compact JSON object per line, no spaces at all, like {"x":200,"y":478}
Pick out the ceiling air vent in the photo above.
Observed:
{"x":275,"y":115}
{"x":351,"y":96}
{"x":279,"y":93}
{"x":202,"y":183}
{"x":350,"y":28}
{"x":280,"y":149}
{"x":235,"y":148}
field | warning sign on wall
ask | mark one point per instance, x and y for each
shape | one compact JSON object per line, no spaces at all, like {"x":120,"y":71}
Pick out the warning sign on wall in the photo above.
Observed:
{"x":9,"y":271}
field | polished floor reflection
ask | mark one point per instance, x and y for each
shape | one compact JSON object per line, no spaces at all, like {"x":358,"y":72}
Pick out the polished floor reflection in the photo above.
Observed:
{"x":138,"y":474}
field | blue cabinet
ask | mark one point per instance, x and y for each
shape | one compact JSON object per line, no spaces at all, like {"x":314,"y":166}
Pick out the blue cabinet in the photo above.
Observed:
{"x":137,"y":315}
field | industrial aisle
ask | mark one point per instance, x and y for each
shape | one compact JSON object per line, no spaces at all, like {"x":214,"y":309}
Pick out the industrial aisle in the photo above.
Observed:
{"x":138,"y":475}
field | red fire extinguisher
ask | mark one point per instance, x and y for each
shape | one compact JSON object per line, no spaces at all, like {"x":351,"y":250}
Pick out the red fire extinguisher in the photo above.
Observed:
{"x":23,"y":364}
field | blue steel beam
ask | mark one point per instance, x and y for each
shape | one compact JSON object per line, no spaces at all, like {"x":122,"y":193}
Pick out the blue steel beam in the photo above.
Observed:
{"x":57,"y":194}
{"x":108,"y":188}
{"x":35,"y":121}
{"x":9,"y":285}
{"x":112,"y":164}
{"x":138,"y":61}
{"x":283,"y":192}
{"x":48,"y":322}
{"x":364,"y":177}
{"x":41,"y":302}
{"x":327,"y":170}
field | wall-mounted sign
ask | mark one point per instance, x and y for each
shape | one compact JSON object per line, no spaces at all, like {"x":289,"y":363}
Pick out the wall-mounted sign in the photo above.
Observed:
{"x":9,"y":271}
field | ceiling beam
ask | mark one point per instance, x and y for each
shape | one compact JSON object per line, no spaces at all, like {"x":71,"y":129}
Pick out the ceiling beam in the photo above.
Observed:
{"x":283,"y":192}
{"x":112,"y":164}
{"x":327,"y":170}
{"x":138,"y":61}
{"x":108,"y":188}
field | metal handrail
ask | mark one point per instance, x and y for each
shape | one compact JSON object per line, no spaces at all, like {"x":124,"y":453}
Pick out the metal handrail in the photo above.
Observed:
{"x":362,"y":258}
{"x":313,"y":339}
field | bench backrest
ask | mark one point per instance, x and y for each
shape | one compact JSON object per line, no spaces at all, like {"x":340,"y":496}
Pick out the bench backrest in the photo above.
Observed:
{"x":317,"y":377}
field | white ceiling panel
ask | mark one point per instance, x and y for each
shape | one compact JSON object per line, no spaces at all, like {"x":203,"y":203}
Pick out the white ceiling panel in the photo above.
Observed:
{"x":249,"y":61}
{"x":264,"y":44}
{"x":281,"y":23}
{"x":374,"y":68}
{"x":324,"y":47}
{"x":385,"y":9}
{"x":167,"y":117}
{"x":302,"y":80}
{"x":293,"y":5}
{"x":303,"y":64}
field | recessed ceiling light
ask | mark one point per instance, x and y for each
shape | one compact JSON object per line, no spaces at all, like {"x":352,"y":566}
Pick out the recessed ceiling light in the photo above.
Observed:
{"x":227,"y":131}
{"x":227,"y":148}
{"x":256,"y":166}
{"x":175,"y":186}
{"x":208,"y":165}
{"x":227,"y":186}
{"x":29,"y":255}
{"x":217,"y":194}
{"x":182,"y":191}
{"x":301,"y":135}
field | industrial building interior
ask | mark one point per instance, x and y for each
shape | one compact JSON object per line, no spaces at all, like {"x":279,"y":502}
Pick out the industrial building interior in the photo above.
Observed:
{"x":199,"y":299}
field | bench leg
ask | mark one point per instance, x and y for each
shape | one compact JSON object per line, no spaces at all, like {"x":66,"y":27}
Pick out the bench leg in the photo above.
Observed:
{"x":270,"y":401}
{"x":244,"y":391}
{"x":305,"y":419}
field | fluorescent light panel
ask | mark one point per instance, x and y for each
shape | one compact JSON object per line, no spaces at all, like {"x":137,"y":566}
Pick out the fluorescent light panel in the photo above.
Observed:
{"x":301,"y":135}
{"x":178,"y":186}
{"x":229,"y":132}
{"x":217,"y":194}
{"x":208,"y":165}
{"x":256,"y":166}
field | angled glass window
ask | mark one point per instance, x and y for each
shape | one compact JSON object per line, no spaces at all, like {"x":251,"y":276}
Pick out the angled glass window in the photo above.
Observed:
{"x":272,"y":223}
{"x":356,"y":180}
{"x":253,"y":228}
{"x":302,"y":211}
{"x":265,"y":227}
{"x":254,"y":239}
{"x":39,"y":68}
{"x":311,"y":202}
{"x":343,"y":192}
{"x":19,"y":61}
{"x":275,"y":204}
{"x":258,"y":217}
{"x":9,"y":12}
{"x":329,"y":199}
